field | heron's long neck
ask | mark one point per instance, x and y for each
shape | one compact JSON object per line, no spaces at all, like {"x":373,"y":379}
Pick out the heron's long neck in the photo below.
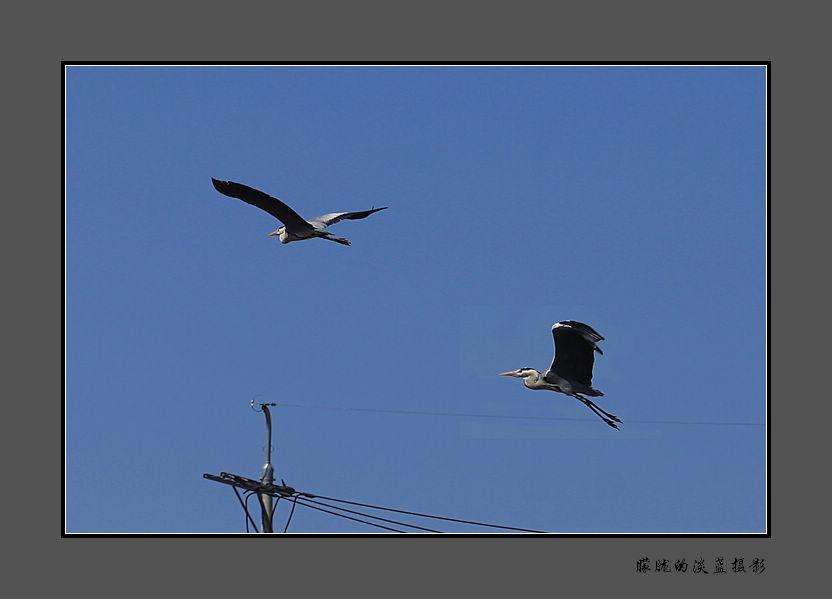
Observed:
{"x":530,"y":380}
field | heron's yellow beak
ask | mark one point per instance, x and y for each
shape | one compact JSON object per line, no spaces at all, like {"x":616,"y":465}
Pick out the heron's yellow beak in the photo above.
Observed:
{"x":512,"y":373}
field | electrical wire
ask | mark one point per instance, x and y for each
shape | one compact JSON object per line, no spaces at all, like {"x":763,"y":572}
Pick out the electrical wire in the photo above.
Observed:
{"x":308,"y":502}
{"x":335,"y":507}
{"x":245,"y":508}
{"x":249,"y":495}
{"x":503,"y":416}
{"x":347,"y":517}
{"x":294,"y":502}
{"x":472,"y":522}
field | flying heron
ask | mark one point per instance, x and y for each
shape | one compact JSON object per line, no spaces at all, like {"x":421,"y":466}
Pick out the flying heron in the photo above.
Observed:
{"x":295,"y":227}
{"x":571,"y":369}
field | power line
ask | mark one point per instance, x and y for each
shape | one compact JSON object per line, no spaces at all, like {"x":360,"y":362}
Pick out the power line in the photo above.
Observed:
{"x":312,"y":500}
{"x":347,"y":517}
{"x":294,"y":503}
{"x":245,"y":509}
{"x":503,"y":416}
{"x":335,"y":507}
{"x":376,"y":507}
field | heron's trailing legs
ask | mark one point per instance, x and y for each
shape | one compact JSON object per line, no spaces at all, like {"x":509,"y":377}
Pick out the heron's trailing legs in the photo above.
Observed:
{"x":340,"y":240}
{"x":605,"y":416}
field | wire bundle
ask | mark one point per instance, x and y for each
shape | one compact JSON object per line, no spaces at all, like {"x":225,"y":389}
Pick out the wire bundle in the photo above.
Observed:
{"x":315,"y":502}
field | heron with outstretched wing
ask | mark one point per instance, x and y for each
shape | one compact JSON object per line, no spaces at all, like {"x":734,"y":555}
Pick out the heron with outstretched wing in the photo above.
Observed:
{"x":571,"y":369}
{"x":295,"y":227}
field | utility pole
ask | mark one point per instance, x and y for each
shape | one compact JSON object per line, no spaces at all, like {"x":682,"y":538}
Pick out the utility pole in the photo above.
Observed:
{"x":265,"y":489}
{"x":268,"y":473}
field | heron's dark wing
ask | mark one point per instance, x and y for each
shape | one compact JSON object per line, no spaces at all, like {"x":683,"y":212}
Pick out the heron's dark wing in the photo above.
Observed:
{"x":575,"y":347}
{"x":334,"y":217}
{"x":586,"y":331}
{"x":293,"y":221}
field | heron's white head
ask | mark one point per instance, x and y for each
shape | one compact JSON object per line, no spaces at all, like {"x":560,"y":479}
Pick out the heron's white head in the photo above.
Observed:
{"x":521,"y":373}
{"x":281,"y":232}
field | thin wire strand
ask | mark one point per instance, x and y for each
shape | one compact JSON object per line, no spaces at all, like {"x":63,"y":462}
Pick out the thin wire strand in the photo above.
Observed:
{"x":376,"y":507}
{"x":335,"y":507}
{"x":245,"y":508}
{"x":274,"y":511}
{"x":347,"y":517}
{"x":504,"y":416}
{"x":294,"y":502}
{"x":342,"y":509}
{"x":249,"y":495}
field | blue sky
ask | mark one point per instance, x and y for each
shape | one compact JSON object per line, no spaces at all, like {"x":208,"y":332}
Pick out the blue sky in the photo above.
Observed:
{"x":629,"y":198}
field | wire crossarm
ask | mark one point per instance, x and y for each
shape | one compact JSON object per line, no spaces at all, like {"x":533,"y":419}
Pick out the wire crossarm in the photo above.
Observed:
{"x":255,"y":486}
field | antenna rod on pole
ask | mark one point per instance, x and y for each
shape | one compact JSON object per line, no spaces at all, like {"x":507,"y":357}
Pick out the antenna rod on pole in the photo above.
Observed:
{"x":268,"y":473}
{"x":264,"y":489}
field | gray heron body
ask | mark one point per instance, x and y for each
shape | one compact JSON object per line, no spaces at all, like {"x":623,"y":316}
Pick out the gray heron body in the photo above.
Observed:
{"x":571,"y":369}
{"x":295,"y":227}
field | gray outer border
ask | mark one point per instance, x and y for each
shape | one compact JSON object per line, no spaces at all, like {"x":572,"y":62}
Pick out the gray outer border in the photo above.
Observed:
{"x":311,"y":565}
